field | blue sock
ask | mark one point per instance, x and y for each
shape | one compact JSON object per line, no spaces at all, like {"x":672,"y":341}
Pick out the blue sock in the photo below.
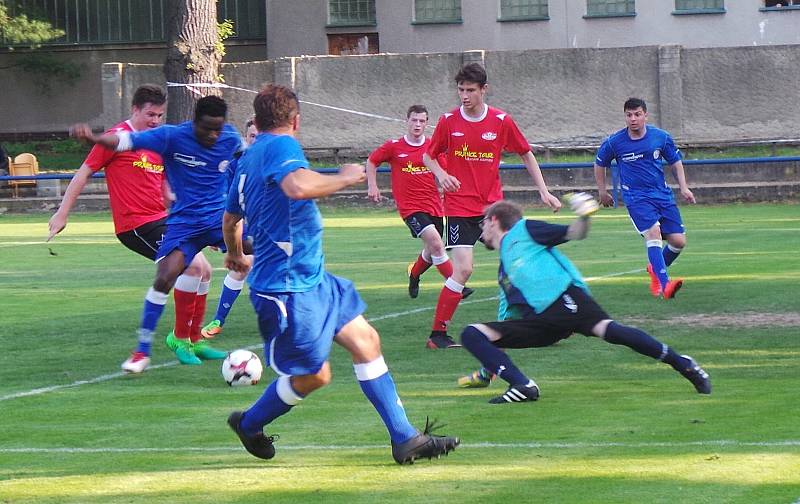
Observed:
{"x":670,"y":253}
{"x":154,"y":303}
{"x":639,"y":341}
{"x":377,"y":384}
{"x":656,"y":258}
{"x":231,"y":288}
{"x":491,"y":357}
{"x":277,"y":400}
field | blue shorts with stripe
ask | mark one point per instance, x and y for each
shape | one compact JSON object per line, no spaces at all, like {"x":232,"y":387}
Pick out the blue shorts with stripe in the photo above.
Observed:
{"x":298,"y":327}
{"x":190,"y":240}
{"x":646,"y":212}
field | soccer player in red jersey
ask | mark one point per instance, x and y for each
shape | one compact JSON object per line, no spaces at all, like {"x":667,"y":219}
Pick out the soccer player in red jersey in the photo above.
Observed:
{"x":472,"y":138}
{"x":137,"y":191}
{"x":415,"y":193}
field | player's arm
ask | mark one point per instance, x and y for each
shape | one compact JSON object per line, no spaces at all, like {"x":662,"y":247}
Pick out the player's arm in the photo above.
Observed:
{"x":235,"y":259}
{"x":680,"y":176}
{"x":84,"y":133}
{"x":59,"y":219}
{"x":308,"y":184}
{"x":373,"y":191}
{"x":601,"y":162}
{"x":583,"y":205}
{"x":536,"y":174}
{"x":447,"y":182}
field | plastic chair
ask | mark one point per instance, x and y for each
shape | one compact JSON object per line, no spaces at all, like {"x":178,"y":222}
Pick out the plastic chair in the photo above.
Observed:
{"x":24,"y":164}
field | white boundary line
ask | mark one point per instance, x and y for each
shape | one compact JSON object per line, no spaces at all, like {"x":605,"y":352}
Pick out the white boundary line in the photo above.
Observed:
{"x":112,"y":376}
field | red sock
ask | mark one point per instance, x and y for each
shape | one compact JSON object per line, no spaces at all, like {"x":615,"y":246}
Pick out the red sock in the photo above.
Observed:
{"x":184,"y":311}
{"x":197,"y":317}
{"x":445,"y":308}
{"x":420,"y":267}
{"x":446,"y":269}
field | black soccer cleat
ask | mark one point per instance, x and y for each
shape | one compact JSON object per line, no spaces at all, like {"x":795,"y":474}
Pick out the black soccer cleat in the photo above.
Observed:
{"x":440,"y":340}
{"x":424,"y":445}
{"x":413,"y":283}
{"x":697,"y":375}
{"x":258,"y":445}
{"x":517,"y":393}
{"x":467,"y":292}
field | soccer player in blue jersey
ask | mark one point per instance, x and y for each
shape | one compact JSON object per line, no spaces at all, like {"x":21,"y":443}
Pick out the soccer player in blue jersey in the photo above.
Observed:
{"x":640,"y":151}
{"x":544,"y":299}
{"x":196,"y":154}
{"x":301,"y":308}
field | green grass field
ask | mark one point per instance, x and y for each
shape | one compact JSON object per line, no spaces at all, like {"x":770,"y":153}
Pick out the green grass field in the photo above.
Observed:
{"x":611,"y":425}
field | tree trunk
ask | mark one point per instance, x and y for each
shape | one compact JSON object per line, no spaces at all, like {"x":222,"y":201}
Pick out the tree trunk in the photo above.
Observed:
{"x":192,"y":55}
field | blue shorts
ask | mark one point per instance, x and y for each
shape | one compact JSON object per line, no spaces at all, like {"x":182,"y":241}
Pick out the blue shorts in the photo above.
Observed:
{"x":298,"y":328}
{"x":190,"y":240}
{"x":645,"y":213}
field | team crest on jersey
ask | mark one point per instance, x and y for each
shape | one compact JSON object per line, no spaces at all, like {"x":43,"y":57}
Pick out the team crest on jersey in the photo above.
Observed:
{"x":223,"y":165}
{"x":656,"y":153}
{"x":489,"y":136}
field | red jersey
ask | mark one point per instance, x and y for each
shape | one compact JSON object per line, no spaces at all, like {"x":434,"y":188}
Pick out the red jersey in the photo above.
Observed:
{"x":413,"y":185}
{"x":473,"y":148}
{"x":134,"y":180}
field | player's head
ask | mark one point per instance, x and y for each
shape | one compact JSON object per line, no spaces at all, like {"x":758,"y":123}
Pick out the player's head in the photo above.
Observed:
{"x":416,"y":120}
{"x":276,"y":107}
{"x":635,"y":114}
{"x":250,"y":131}
{"x":148,"y":107}
{"x":209,"y":119}
{"x":471,"y":82}
{"x":498,"y":218}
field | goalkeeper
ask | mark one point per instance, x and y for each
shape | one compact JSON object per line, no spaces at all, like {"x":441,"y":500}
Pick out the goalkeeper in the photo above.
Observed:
{"x":544,"y":299}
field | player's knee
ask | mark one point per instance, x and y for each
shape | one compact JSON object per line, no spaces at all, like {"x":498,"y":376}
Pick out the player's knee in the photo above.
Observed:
{"x":677,"y":241}
{"x":471,"y":337}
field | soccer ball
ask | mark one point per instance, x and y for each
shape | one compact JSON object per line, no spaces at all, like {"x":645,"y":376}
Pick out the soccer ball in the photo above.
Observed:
{"x":241,"y":367}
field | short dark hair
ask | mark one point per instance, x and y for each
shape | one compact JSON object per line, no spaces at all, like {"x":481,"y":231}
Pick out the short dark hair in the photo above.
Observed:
{"x":473,"y":72}
{"x":249,"y":123}
{"x":416,"y":109}
{"x":506,"y":213}
{"x":212,"y":106}
{"x":634,"y":103}
{"x":275,"y":106}
{"x":148,"y":93}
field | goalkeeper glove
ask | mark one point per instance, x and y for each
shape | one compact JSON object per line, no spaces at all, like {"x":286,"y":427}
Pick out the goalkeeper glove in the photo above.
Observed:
{"x":583,"y":204}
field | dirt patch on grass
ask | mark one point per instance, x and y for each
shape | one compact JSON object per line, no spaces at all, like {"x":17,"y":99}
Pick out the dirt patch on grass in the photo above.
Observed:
{"x":746,"y":319}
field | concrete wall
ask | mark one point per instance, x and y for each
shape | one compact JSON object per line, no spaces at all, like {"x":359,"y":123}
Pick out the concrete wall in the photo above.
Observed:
{"x":298,"y":27}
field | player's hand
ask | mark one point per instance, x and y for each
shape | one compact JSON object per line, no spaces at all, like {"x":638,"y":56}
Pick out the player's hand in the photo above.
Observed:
{"x":239,"y":263}
{"x":551,"y":201}
{"x":449,"y":183}
{"x":582,"y":204}
{"x":56,"y":225}
{"x":606,"y":199}
{"x":355,"y":173}
{"x":81,"y":132}
{"x":688,"y":196}
{"x":374,"y":194}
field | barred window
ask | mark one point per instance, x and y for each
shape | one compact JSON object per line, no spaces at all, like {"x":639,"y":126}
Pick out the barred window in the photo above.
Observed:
{"x":699,"y":5}
{"x":781,"y":3}
{"x":437,"y":11}
{"x":610,"y":7}
{"x":351,"y":12}
{"x":523,"y":9}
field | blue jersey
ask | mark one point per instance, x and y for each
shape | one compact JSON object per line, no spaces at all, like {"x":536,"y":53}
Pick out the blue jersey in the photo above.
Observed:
{"x":287,"y":233}
{"x":641,"y":169}
{"x":195,"y":173}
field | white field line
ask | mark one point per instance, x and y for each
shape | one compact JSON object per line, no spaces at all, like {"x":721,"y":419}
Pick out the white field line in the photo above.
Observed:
{"x":722,"y":443}
{"x":112,"y":376}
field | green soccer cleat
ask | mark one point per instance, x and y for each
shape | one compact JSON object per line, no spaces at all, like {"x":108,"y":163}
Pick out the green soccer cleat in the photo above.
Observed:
{"x":183,"y":350}
{"x":476,"y":379}
{"x":211,"y":329}
{"x":204,"y":351}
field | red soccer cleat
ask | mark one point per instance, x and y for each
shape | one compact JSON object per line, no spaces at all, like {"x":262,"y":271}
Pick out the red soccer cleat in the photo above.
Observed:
{"x":672,"y":288}
{"x":655,"y":284}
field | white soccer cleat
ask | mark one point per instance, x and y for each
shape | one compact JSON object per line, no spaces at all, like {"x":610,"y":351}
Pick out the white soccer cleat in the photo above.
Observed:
{"x":136,"y":363}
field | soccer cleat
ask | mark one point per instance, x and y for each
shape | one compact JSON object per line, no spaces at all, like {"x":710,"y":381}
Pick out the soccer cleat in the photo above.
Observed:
{"x":413,"y":283}
{"x":204,"y":351}
{"x":424,"y":445}
{"x":183,"y":350}
{"x":258,"y":445}
{"x":695,"y":374}
{"x":655,"y":284}
{"x":136,"y":363}
{"x":672,"y":288}
{"x":517,"y":393}
{"x":211,"y":329}
{"x":476,"y":379}
{"x":439,"y":340}
{"x":467,"y":292}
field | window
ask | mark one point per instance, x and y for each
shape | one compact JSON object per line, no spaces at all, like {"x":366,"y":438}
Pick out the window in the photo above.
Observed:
{"x":610,"y":8}
{"x":699,"y":5}
{"x":351,"y":12}
{"x":778,"y":4}
{"x":342,"y":44}
{"x":437,"y":11}
{"x":512,"y":10}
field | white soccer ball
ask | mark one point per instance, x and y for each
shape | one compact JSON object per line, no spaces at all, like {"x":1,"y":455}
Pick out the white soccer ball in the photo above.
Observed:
{"x":241,"y":367}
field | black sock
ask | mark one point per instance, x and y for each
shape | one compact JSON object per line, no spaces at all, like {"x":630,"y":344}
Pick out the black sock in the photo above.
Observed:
{"x":639,"y":341}
{"x":492,"y":358}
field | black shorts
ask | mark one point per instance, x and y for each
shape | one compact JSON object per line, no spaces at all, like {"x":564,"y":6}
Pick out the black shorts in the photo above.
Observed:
{"x":145,"y":239}
{"x":462,"y":231}
{"x":419,"y":221}
{"x":574,"y":311}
